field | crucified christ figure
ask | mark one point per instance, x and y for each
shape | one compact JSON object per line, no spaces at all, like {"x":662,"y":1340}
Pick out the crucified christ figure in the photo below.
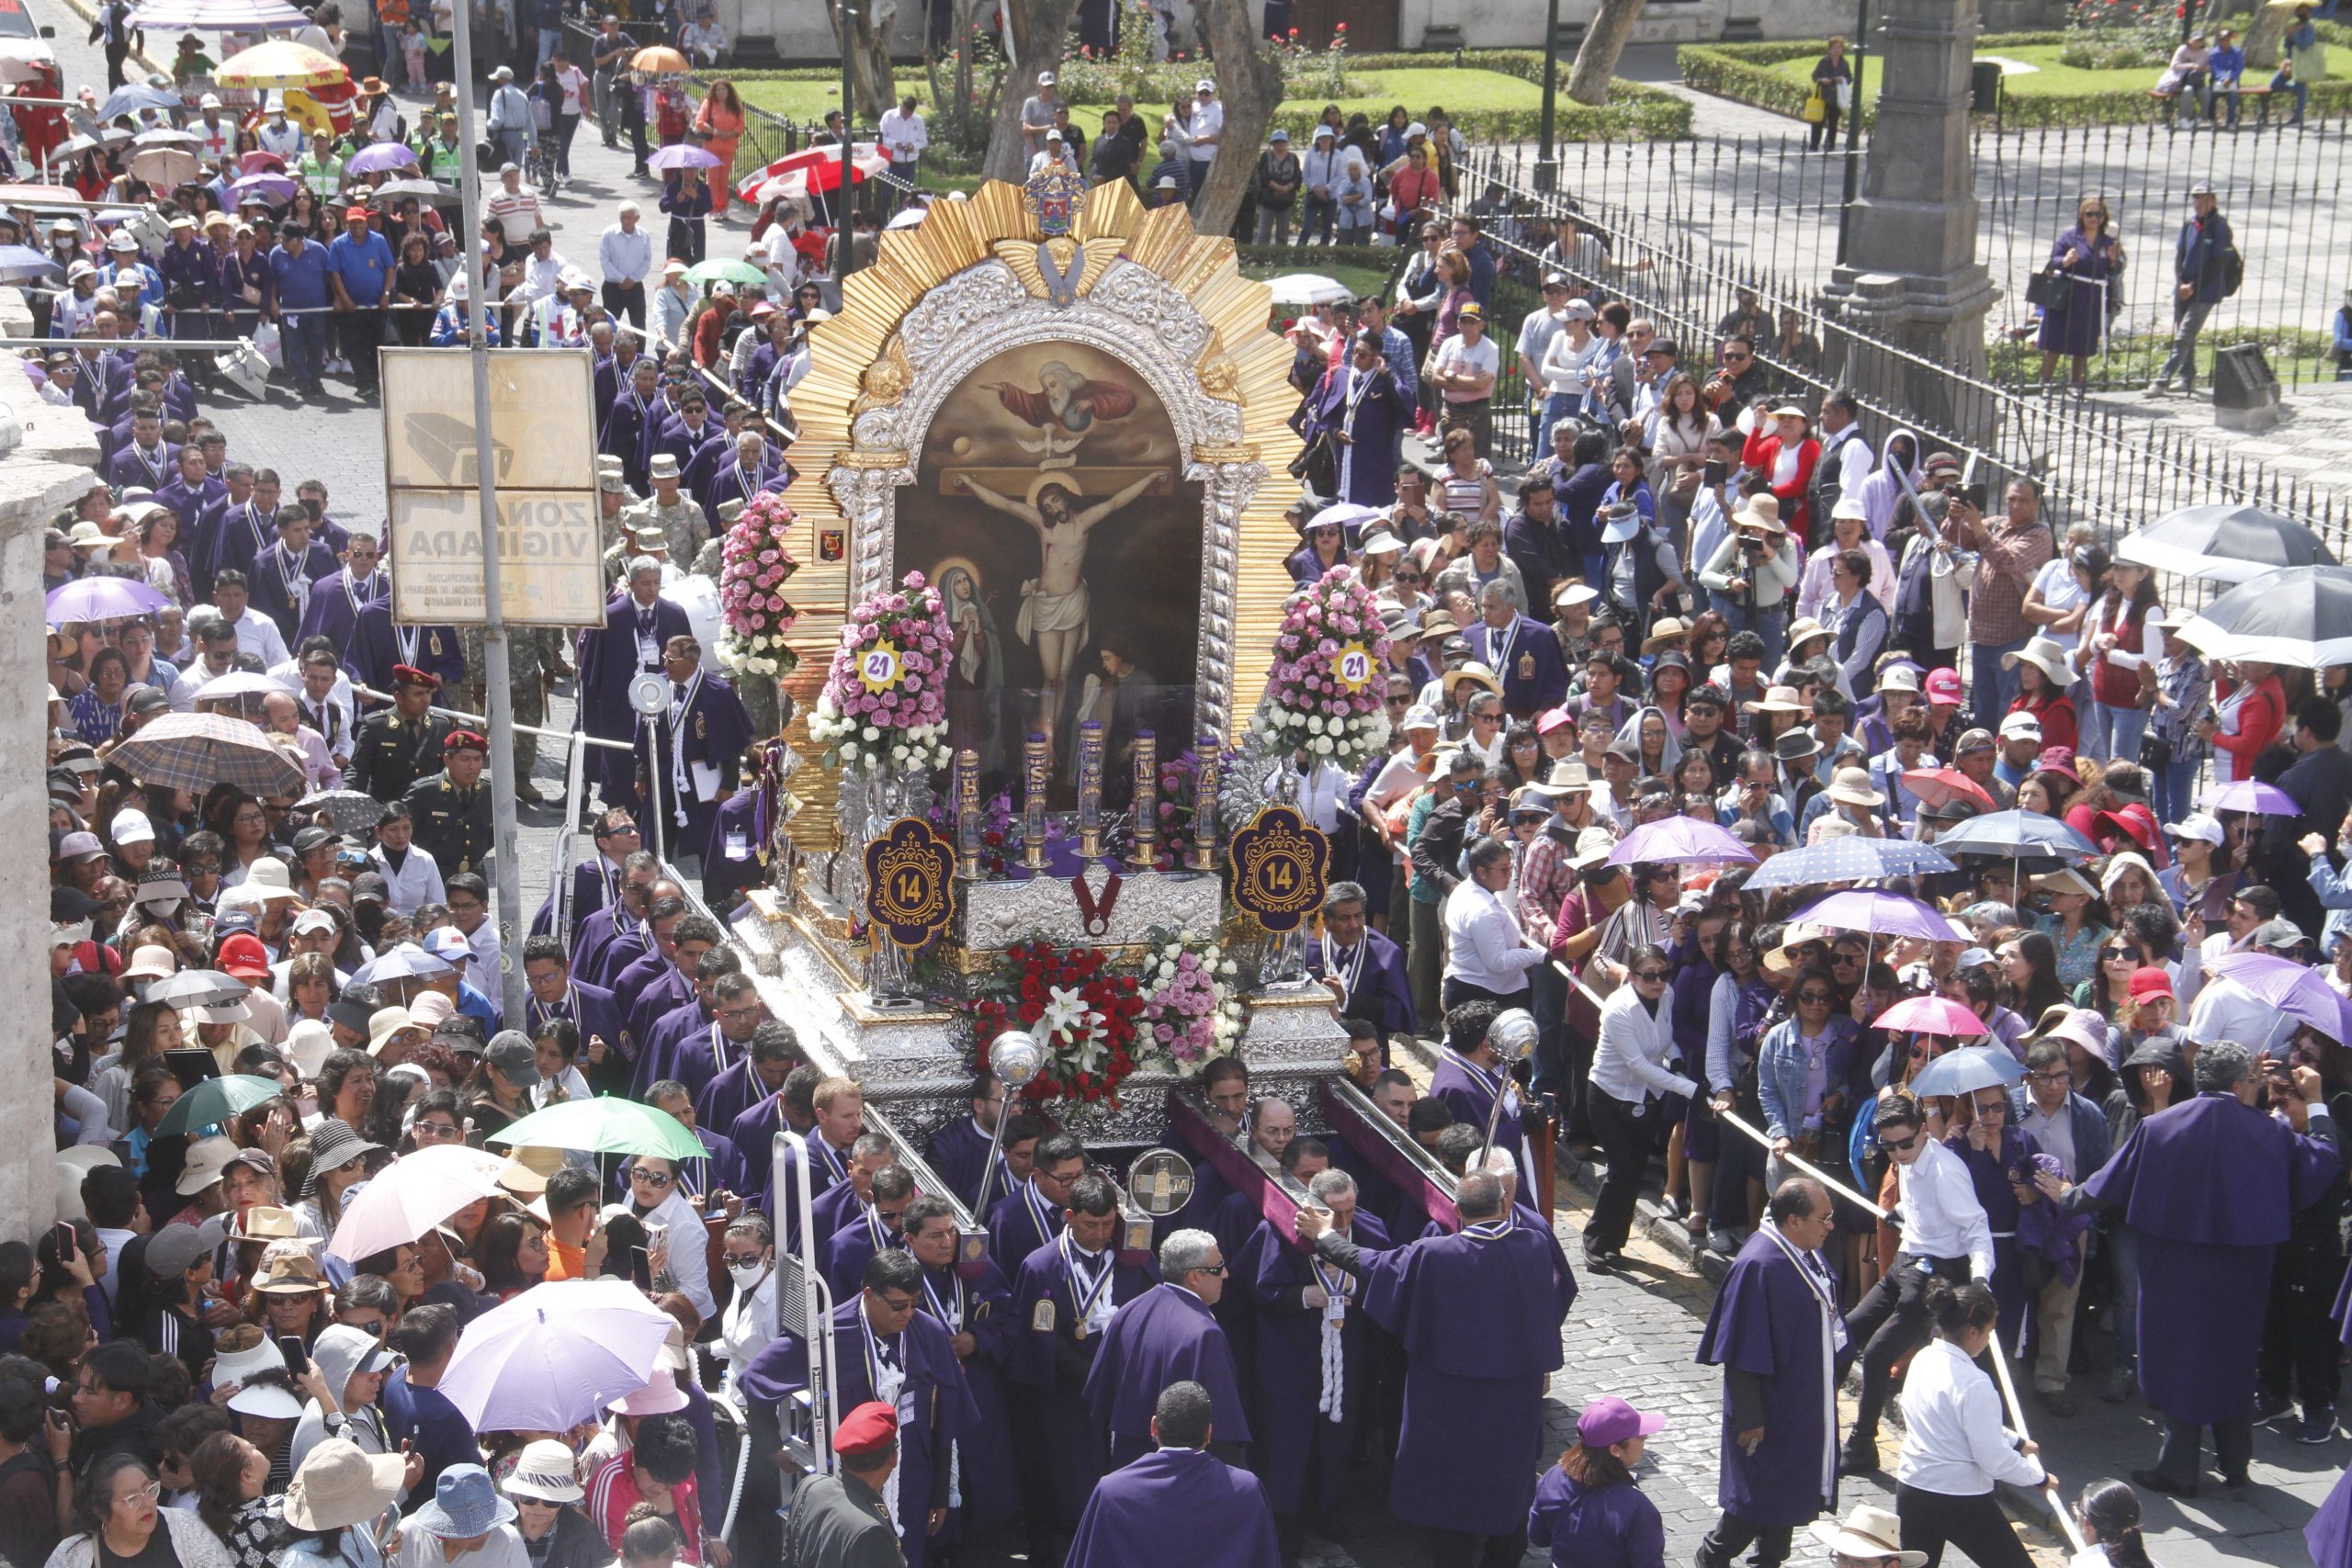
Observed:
{"x":1054,"y":605}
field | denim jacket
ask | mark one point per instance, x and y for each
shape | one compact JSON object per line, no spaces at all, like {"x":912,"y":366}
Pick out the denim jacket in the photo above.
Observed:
{"x":1780,"y":1071}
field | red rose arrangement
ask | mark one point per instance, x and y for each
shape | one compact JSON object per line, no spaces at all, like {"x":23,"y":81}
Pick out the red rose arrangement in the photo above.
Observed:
{"x":1081,"y":1014}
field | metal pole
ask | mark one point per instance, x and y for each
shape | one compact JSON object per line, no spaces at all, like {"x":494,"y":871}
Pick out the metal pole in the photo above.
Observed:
{"x":1854,"y":130}
{"x":497,"y":677}
{"x":843,"y":230}
{"x":1547,"y":167}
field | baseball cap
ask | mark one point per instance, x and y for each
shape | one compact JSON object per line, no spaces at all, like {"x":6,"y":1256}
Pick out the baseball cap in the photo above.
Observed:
{"x":2198,"y":824}
{"x":2020,"y":727}
{"x":2149,"y":981}
{"x":1943,"y":686}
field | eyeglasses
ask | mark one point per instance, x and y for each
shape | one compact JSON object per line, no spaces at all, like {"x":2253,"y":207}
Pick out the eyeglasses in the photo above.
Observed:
{"x":151,"y":1491}
{"x":2057,"y":1075}
{"x":1990,"y":1107}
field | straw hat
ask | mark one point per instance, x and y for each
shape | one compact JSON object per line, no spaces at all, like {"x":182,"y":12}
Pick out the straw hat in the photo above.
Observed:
{"x":1665,"y":632}
{"x":544,"y":1470}
{"x":2045,"y":655}
{"x":1805,"y":630}
{"x":2067,"y":880}
{"x":1777,"y":699}
{"x":1852,"y":786}
{"x":1761,"y":512}
{"x":1474,"y":671}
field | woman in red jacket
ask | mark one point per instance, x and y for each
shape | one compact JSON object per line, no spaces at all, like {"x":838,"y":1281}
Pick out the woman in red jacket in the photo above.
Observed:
{"x":1786,"y":457}
{"x":2249,"y":709}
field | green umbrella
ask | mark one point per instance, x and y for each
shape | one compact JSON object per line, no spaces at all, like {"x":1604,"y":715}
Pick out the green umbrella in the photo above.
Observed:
{"x":605,"y":1125}
{"x":707,"y":272}
{"x":218,"y":1099}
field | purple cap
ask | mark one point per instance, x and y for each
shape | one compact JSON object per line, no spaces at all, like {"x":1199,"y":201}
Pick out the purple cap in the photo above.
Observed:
{"x":1610,"y":1420}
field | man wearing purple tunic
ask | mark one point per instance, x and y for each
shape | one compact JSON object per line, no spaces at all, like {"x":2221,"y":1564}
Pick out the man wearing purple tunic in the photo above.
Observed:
{"x":1166,"y":1334}
{"x":1314,"y":1361}
{"x":877,"y":1227}
{"x":1470,"y":1074}
{"x":1179,"y":1506}
{"x":1063,"y":1299}
{"x":1479,"y":1312}
{"x":752,"y":1080}
{"x":1030,"y":1216}
{"x":886,"y":1348}
{"x":959,"y":1151}
{"x":976,"y":1308}
{"x":1776,"y":1333}
{"x":2211,"y":1186}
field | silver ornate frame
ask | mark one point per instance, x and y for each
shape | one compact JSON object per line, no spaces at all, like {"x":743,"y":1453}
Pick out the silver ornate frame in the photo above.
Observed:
{"x":1134,"y":315}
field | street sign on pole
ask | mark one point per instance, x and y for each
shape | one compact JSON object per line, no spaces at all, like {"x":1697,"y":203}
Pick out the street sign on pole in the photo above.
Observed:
{"x":541,"y":464}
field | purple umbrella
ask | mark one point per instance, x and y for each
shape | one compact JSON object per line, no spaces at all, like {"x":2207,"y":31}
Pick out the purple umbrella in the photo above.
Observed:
{"x":2245,"y":795}
{"x":1680,"y":838}
{"x":683,"y":155}
{"x":1880,"y":914}
{"x":379,"y":158}
{"x":275,"y":189}
{"x":102,"y":599}
{"x":2295,"y":989}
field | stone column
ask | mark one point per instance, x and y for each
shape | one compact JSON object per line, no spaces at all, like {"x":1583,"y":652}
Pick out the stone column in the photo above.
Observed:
{"x":1911,"y":276}
{"x":46,"y":454}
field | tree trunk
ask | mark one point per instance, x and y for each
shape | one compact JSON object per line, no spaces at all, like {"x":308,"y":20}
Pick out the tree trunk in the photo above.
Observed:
{"x":1038,"y":28}
{"x":873,"y":87}
{"x":1604,"y":40}
{"x":1250,"y":79}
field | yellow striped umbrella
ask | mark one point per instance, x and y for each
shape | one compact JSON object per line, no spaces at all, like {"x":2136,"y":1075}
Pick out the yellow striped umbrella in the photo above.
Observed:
{"x":280,"y":62}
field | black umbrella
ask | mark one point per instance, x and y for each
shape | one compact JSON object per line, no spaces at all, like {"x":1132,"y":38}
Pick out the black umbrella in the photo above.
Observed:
{"x":2301,"y":617}
{"x":2224,"y":543}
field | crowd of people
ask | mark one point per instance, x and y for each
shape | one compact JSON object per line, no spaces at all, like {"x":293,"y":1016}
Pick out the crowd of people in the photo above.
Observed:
{"x":1707,"y":599}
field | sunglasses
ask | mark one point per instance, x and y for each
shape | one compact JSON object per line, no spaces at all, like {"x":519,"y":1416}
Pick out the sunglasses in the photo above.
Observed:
{"x":1898,"y":1148}
{"x":2117,"y":954}
{"x":1649,"y":973}
{"x":651,"y":1178}
{"x":1813,"y":996}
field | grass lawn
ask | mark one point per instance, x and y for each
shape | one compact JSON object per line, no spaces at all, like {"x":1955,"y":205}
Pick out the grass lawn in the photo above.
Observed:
{"x":805,"y":99}
{"x":2049,"y":79}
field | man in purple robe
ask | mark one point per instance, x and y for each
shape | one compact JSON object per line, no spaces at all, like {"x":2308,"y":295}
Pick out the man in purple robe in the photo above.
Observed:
{"x":775,"y":1050}
{"x":1178,"y":1506}
{"x":839,"y":1205}
{"x":1063,"y":1296}
{"x":639,"y":624}
{"x":876,"y":1226}
{"x":554,"y":994}
{"x":1311,"y":1404}
{"x":690,"y":756}
{"x":693,"y":1041}
{"x":976,"y":1309}
{"x":2328,"y":1538}
{"x":661,"y":979}
{"x":1776,"y":1333}
{"x":284,"y":575}
{"x":617,"y":931}
{"x":959,"y":1151}
{"x":1471,"y":1072}
{"x":833,"y":1109}
{"x":622,"y":435}
{"x":2211,"y":1186}
{"x":1363,"y":970}
{"x":886,"y":1348}
{"x":596,"y":880}
{"x":1169,"y":1334}
{"x":738,"y":472}
{"x":1479,"y":1312}
{"x":1362,"y":405}
{"x":1030,"y":1216}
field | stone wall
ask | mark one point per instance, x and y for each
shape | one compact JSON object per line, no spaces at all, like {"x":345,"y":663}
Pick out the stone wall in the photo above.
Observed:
{"x":44,"y":471}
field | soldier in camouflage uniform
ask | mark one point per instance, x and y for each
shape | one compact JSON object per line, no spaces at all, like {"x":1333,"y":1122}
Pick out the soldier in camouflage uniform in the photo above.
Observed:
{"x":678,"y":515}
{"x":533,"y":656}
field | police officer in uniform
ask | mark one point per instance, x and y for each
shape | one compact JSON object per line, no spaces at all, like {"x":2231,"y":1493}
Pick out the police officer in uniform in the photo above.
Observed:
{"x":451,"y":809}
{"x":840,"y":1520}
{"x":397,"y":745}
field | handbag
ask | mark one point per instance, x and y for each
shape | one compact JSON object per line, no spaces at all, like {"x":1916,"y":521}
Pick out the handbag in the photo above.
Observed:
{"x":1815,"y":108}
{"x":2053,"y":291}
{"x":1318,"y":465}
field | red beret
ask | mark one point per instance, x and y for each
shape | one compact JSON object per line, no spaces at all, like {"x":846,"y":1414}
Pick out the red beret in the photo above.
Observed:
{"x":868,"y":1429}
{"x":463,"y":740}
{"x":409,"y":675}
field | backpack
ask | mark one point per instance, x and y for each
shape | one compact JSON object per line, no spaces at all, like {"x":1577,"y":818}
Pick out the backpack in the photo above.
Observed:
{"x":2232,"y":269}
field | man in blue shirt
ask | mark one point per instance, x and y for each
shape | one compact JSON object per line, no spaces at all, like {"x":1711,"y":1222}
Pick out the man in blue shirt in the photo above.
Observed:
{"x":1481,"y":260}
{"x":359,"y":267}
{"x":2227,"y":65}
{"x":299,"y":269}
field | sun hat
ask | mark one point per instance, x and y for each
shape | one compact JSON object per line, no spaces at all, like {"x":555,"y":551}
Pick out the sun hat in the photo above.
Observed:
{"x":464,"y":1505}
{"x":1899,"y":677}
{"x":1625,"y":520}
{"x":1665,"y":632}
{"x":1570,"y":594}
{"x":243,"y":1348}
{"x":149,"y":964}
{"x":1869,"y":1533}
{"x":2045,"y":654}
{"x":309,"y":1044}
{"x":1794,"y":745}
{"x":333,"y":1146}
{"x":1761,"y":512}
{"x":1852,"y":786}
{"x":270,"y":1402}
{"x":1593,"y":846}
{"x":1609,"y":1420}
{"x":544,"y":1470}
{"x":1804,"y":631}
{"x":385,"y":1022}
{"x":1776,"y":699}
{"x":288,"y":1269}
{"x":2064,"y":880}
{"x":208,"y":1160}
{"x":340,"y":1484}
{"x":267,"y":877}
{"x":1473,"y":671}
{"x":658,"y":1397}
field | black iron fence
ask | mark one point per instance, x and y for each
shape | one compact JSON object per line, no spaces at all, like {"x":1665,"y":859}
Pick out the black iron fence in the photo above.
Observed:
{"x":2097,"y":466}
{"x":1766,"y":205}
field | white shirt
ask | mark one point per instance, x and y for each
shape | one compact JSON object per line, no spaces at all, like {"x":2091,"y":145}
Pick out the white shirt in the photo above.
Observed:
{"x":1460,"y":355}
{"x":749,"y":1324}
{"x":1485,"y":946}
{"x":2055,"y":582}
{"x":504,"y":1548}
{"x":1629,"y":1059}
{"x":1205,"y":119}
{"x":483,"y":940}
{"x":417,"y":882}
{"x":1953,"y":1441}
{"x":904,"y":134}
{"x":687,"y":1254}
{"x":1940,"y":1215}
{"x":257,"y":635}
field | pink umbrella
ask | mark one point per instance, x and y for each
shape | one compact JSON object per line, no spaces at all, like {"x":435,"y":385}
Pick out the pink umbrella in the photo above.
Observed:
{"x":2246,"y":794}
{"x":684,"y":155}
{"x":380,"y":158}
{"x":274,"y":189}
{"x":1930,"y":1015}
{"x":1680,"y":838}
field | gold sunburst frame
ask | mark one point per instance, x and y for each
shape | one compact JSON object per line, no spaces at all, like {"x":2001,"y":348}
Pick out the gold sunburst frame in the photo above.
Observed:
{"x":1182,"y":315}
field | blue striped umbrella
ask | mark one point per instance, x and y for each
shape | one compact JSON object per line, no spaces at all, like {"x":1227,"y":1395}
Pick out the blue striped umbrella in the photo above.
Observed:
{"x":1849,"y":859}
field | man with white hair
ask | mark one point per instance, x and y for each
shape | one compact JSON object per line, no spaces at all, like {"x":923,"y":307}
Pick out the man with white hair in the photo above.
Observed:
{"x":639,"y":624}
{"x":747,"y":473}
{"x":1169,"y":1334}
{"x":625,"y":256}
{"x":1479,"y":1312}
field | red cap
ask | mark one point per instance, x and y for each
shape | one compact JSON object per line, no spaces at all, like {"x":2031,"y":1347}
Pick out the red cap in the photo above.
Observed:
{"x":409,"y":675}
{"x":868,"y":1429}
{"x":1551,"y":720}
{"x":242,"y":957}
{"x":351,"y":212}
{"x":464,"y":741}
{"x":2150,"y":982}
{"x":1943,"y":686}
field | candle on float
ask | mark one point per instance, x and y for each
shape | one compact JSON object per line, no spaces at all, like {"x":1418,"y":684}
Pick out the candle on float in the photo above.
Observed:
{"x":1037,"y":767}
{"x":1146,"y":811}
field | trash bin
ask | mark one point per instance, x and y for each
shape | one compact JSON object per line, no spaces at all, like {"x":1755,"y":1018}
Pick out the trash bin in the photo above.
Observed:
{"x":1983,"y":87}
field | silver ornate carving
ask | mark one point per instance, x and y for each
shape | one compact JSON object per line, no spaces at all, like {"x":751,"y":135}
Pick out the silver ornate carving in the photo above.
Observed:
{"x":997,"y":914}
{"x":1133,"y":315}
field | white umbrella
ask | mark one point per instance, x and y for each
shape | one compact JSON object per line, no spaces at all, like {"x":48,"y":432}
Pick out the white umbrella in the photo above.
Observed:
{"x":1308,"y":288}
{"x":238,"y":684}
{"x":907,"y":218}
{"x":412,"y":1195}
{"x":555,"y":1356}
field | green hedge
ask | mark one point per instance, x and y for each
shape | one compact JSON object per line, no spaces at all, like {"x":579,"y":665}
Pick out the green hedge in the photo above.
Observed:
{"x":1738,"y":72}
